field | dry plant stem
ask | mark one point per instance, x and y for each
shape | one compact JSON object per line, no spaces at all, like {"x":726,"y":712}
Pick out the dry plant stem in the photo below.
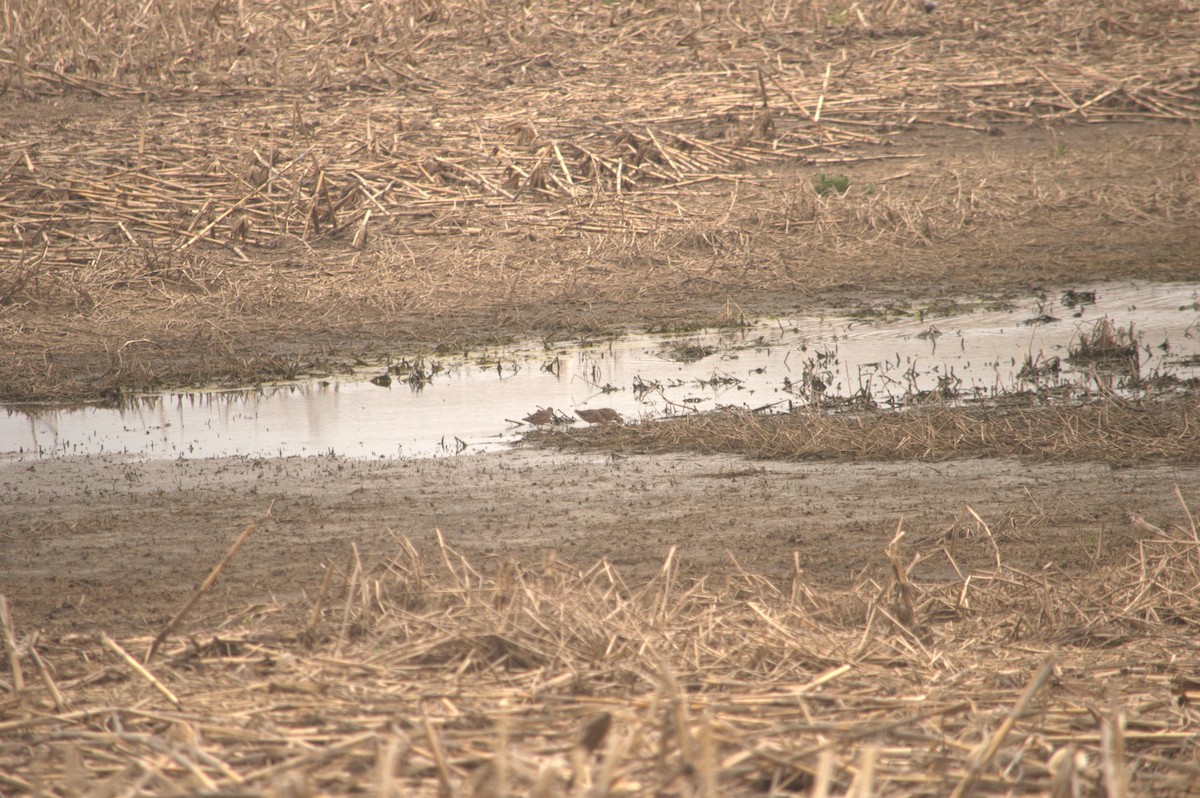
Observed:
{"x":10,"y":647}
{"x":200,"y":591}
{"x":1112,"y":739}
{"x":355,"y":574}
{"x":501,"y":758}
{"x":60,"y":704}
{"x":864,"y":780}
{"x":388,"y":757}
{"x":991,"y":538}
{"x":17,"y":783}
{"x":314,"y":617}
{"x":824,"y":777}
{"x":139,"y":669}
{"x":983,"y":758}
{"x":1191,"y":519}
{"x":445,"y":785}
{"x":709,"y":785}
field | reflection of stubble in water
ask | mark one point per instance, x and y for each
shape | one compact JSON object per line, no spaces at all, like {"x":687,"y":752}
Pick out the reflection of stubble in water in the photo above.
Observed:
{"x":879,"y":358}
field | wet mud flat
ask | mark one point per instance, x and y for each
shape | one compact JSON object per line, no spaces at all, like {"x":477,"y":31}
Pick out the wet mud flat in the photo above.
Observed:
{"x":115,"y":543}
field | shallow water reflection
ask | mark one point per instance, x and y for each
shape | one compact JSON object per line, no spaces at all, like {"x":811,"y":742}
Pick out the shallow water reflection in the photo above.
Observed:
{"x":475,"y":402}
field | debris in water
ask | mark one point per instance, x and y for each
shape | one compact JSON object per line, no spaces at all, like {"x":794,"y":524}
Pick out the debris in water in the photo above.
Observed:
{"x":1076,"y":299}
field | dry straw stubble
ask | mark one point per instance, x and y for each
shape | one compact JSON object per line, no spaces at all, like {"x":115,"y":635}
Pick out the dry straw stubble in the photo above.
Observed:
{"x":1107,"y":430}
{"x":430,"y":678}
{"x":178,"y":170}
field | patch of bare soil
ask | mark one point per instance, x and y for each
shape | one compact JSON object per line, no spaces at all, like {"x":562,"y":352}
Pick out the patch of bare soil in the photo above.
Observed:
{"x":102,"y":543}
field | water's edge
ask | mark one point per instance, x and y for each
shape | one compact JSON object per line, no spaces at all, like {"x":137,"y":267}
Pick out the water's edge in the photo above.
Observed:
{"x":476,"y":403}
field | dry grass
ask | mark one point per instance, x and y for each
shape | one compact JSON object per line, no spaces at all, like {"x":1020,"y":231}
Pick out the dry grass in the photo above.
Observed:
{"x":416,"y":677}
{"x":1108,"y":346}
{"x":105,"y":46}
{"x":1109,"y":430}
{"x":344,"y":122}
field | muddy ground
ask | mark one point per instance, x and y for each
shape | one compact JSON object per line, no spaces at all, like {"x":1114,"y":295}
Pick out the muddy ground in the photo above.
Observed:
{"x":102,"y":543}
{"x":299,"y":197}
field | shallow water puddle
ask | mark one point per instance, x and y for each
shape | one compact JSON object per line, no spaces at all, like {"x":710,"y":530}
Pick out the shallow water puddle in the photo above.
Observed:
{"x":475,"y":402}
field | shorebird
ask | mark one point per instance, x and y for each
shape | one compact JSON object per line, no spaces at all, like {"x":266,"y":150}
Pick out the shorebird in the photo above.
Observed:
{"x":543,"y":416}
{"x":601,"y":415}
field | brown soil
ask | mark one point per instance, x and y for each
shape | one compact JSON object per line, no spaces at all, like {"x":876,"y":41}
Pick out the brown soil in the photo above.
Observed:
{"x":269,"y":196}
{"x":101,"y":543}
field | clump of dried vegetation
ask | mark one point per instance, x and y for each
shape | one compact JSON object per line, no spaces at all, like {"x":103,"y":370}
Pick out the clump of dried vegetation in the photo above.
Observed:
{"x":1107,"y":430}
{"x":325,"y":167}
{"x":416,"y":677}
{"x":1106,"y":344}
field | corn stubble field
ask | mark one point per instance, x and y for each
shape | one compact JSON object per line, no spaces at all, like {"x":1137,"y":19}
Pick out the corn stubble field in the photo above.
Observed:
{"x":247,"y":190}
{"x":207,"y":191}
